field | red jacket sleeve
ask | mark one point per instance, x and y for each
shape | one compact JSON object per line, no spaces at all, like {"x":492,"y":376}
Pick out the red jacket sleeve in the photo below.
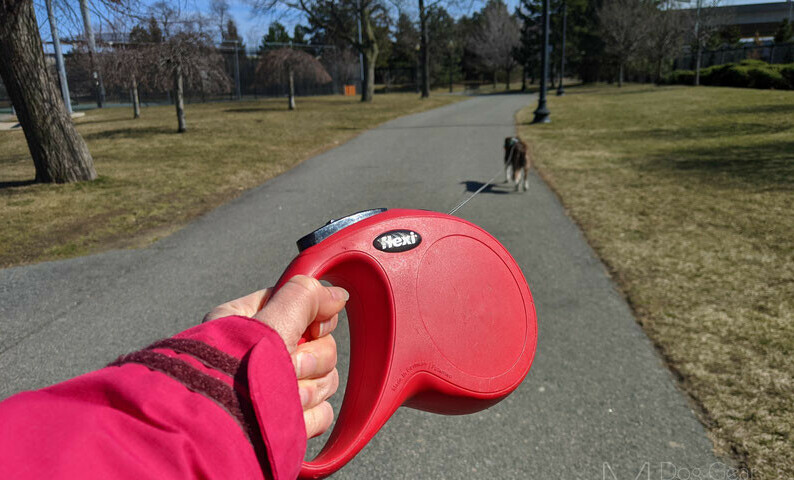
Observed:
{"x":219,"y":400}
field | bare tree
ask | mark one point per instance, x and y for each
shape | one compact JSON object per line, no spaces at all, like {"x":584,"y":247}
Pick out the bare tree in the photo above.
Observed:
{"x":287,"y":64}
{"x":495,"y":38}
{"x":665,"y":34}
{"x":127,"y":60}
{"x":624,"y":26}
{"x":129,"y":66}
{"x":59,"y":152}
{"x":188,"y":59}
{"x":342,"y":63}
{"x":219,"y":9}
{"x":167,"y":17}
{"x":426,"y":9}
{"x":339,"y":18}
{"x":185,"y":56}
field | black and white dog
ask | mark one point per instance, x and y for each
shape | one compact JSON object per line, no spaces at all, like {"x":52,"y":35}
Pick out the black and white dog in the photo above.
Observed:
{"x":517,"y":162}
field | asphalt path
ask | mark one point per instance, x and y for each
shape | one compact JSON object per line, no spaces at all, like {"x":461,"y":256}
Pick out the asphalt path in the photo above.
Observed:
{"x":597,"y":404}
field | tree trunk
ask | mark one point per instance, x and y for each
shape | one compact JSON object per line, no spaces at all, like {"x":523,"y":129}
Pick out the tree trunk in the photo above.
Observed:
{"x":524,"y":79}
{"x":136,"y":102}
{"x":507,"y":81}
{"x":699,"y":41}
{"x":370,"y":51}
{"x":424,"y":54}
{"x":697,"y":64}
{"x":620,"y":75}
{"x":494,"y":79}
{"x":659,"y":70}
{"x":97,"y":75}
{"x":368,"y":89}
{"x":291,"y":90}
{"x":450,"y":75}
{"x":59,"y":152}
{"x":179,"y":95}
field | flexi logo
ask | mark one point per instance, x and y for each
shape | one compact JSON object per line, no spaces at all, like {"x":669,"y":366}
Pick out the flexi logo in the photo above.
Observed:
{"x":397,"y":241}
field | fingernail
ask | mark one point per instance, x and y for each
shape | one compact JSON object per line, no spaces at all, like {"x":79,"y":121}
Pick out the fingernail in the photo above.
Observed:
{"x":323,"y":328}
{"x":307,"y":364}
{"x":339,"y":293}
{"x":304,"y":394}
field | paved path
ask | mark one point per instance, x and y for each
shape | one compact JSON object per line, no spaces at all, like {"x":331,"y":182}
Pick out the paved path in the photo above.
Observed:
{"x":598,"y":399}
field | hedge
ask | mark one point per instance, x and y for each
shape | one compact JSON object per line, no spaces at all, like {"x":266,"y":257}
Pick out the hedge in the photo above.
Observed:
{"x":748,"y":73}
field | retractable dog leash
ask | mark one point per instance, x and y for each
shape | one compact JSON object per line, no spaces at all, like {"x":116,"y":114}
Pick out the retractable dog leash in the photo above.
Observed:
{"x":440,"y":315}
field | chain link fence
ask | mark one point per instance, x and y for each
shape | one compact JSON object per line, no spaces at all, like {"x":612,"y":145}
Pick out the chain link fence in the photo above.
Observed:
{"x":341,"y":65}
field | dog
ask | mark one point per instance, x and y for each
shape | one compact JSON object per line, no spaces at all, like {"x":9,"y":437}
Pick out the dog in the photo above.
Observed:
{"x":517,"y":162}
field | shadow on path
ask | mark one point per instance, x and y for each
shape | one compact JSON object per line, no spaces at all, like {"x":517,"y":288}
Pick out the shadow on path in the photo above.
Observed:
{"x":472,"y":186}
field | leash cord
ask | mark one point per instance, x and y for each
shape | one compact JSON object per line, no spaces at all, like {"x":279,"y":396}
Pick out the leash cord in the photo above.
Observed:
{"x":489,"y":182}
{"x":475,"y":193}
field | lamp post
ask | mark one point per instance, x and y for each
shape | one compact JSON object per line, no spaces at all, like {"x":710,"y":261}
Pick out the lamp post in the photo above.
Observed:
{"x":542,"y":112}
{"x":56,"y":43}
{"x":560,"y":90}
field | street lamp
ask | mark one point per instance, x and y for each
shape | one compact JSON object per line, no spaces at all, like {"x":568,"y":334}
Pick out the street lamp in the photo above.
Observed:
{"x":542,"y":112}
{"x":560,"y":90}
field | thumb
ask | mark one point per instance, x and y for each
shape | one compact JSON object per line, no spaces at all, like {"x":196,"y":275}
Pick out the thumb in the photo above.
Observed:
{"x":299,"y":302}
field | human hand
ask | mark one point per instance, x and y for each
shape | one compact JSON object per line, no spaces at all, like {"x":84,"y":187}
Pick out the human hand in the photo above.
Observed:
{"x":301,"y":303}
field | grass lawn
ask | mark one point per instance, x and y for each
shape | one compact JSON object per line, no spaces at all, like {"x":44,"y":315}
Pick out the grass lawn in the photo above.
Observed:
{"x":688,"y":195}
{"x":153,"y":180}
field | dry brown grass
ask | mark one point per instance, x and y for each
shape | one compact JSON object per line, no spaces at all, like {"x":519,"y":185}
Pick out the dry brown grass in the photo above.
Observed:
{"x":153,"y":180}
{"x":688,"y":195}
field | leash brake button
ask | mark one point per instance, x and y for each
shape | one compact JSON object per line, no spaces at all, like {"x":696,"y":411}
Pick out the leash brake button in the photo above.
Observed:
{"x":334,"y":226}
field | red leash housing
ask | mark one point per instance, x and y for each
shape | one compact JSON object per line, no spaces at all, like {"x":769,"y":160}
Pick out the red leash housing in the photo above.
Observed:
{"x":441,"y":319}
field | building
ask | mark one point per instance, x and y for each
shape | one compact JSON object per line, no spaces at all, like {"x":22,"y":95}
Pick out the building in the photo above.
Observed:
{"x":761,"y":18}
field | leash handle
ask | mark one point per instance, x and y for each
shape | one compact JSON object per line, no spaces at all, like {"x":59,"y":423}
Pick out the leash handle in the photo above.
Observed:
{"x":371,"y":341}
